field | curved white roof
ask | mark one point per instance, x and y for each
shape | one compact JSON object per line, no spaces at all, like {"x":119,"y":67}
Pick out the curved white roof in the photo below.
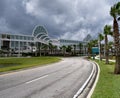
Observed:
{"x":40,"y":33}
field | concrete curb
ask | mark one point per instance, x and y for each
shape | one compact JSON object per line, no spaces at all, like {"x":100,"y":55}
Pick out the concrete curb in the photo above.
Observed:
{"x":95,"y":83}
{"x":85,"y":84}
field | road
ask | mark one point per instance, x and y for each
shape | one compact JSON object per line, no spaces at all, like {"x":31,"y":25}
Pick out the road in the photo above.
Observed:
{"x":58,"y":80}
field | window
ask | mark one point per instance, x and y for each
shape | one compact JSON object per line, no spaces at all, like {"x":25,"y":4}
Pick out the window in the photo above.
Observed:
{"x":12,"y":44}
{"x":17,"y":37}
{"x":8,"y":36}
{"x":3,"y":35}
{"x":24,"y":37}
{"x":21,"y":37}
{"x":12,"y":37}
{"x":16,"y":43}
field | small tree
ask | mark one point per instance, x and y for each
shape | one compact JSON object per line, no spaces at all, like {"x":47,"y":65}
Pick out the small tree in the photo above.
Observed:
{"x":74,"y":47}
{"x":100,"y":37}
{"x":107,"y":31}
{"x":80,"y":48}
{"x":69,"y":49}
{"x":64,"y":49}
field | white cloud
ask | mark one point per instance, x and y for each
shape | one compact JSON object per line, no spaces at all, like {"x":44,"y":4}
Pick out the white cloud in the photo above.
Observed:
{"x":70,"y":19}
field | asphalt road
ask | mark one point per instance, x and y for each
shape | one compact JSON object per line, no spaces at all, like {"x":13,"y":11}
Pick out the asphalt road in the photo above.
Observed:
{"x":59,"y":80}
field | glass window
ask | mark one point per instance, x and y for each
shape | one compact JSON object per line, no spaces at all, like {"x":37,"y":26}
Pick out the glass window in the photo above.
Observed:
{"x":32,"y":38}
{"x":16,"y":44}
{"x":17,"y":37}
{"x":12,"y":37}
{"x":21,"y":44}
{"x":21,"y":37}
{"x":3,"y":35}
{"x":28,"y":38}
{"x":12,"y":44}
{"x":24,"y":37}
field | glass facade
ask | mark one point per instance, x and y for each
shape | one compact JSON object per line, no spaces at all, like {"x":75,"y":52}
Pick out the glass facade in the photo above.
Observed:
{"x":40,"y":34}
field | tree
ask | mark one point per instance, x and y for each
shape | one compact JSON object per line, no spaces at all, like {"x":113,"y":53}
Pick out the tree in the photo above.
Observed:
{"x":89,"y":47}
{"x":80,"y":47}
{"x":39,"y":48}
{"x":64,"y":49}
{"x":32,"y":47}
{"x":107,"y":31}
{"x":51,"y":47}
{"x":44,"y":47}
{"x":74,"y":47}
{"x":100,"y":38}
{"x":115,"y":13}
{"x":55,"y":49}
{"x":69,"y":49}
{"x":92,"y":43}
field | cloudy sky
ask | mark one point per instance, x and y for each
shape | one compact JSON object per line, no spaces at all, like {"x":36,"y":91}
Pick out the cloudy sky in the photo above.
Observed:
{"x":68,"y":19}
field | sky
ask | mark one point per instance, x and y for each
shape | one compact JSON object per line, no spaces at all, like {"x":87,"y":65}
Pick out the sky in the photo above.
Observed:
{"x":66,"y":19}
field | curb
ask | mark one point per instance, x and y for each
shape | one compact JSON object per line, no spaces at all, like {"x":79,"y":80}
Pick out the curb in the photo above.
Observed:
{"x":95,"y":82}
{"x":90,"y":86}
{"x":85,"y":84}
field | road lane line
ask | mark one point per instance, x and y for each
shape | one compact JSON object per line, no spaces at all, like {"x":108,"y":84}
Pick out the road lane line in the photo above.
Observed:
{"x":36,"y":79}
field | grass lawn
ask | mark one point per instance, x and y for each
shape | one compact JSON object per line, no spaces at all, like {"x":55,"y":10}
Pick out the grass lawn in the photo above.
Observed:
{"x":108,"y":85}
{"x":9,"y":64}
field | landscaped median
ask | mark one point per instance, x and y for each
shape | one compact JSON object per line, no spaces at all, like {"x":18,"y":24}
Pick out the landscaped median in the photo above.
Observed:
{"x":10,"y":64}
{"x":108,"y":85}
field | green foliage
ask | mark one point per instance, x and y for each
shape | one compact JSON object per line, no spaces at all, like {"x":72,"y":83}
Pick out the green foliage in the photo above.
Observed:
{"x":115,"y":10}
{"x":107,"y":30}
{"x":69,"y":48}
{"x":101,"y":37}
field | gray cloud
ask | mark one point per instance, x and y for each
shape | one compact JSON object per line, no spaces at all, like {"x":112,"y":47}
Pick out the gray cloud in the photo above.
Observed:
{"x":70,"y":19}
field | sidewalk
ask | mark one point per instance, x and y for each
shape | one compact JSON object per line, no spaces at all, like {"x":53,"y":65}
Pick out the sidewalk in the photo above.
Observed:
{"x":97,"y":57}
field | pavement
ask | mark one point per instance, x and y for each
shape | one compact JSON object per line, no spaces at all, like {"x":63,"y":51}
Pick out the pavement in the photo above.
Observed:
{"x":60,"y":80}
{"x":97,"y":57}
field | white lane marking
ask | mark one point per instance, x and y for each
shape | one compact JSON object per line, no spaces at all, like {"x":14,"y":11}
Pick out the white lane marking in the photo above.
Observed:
{"x":36,"y":79}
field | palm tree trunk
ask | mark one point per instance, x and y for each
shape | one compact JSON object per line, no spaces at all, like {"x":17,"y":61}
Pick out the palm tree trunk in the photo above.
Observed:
{"x":117,"y":46}
{"x":106,"y":50}
{"x":100,"y":52}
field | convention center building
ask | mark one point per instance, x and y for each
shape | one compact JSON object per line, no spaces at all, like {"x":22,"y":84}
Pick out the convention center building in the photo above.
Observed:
{"x":23,"y":43}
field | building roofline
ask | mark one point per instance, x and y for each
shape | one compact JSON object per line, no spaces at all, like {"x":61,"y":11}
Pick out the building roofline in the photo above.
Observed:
{"x":17,"y":34}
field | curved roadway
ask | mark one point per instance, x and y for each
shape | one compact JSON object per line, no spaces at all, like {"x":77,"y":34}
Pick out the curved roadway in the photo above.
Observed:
{"x":59,"y":80}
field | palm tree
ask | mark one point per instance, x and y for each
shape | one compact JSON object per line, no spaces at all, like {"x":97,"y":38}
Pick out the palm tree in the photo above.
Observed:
{"x":69,"y":49}
{"x":107,"y":31}
{"x":32,"y":46}
{"x":100,"y":37}
{"x":64,"y":49}
{"x":80,"y":47}
{"x":74,"y":47}
{"x":55,"y":49}
{"x":51,"y":47}
{"x":89,"y":47}
{"x":39,"y":48}
{"x":45,"y":47}
{"x":115,"y":13}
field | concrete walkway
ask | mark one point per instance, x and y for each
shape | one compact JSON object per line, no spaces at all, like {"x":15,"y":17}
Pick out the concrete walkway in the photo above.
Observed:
{"x":97,"y":57}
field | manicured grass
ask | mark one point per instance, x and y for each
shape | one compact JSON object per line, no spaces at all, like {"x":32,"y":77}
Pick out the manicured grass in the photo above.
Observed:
{"x":108,"y":85}
{"x":9,"y":64}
